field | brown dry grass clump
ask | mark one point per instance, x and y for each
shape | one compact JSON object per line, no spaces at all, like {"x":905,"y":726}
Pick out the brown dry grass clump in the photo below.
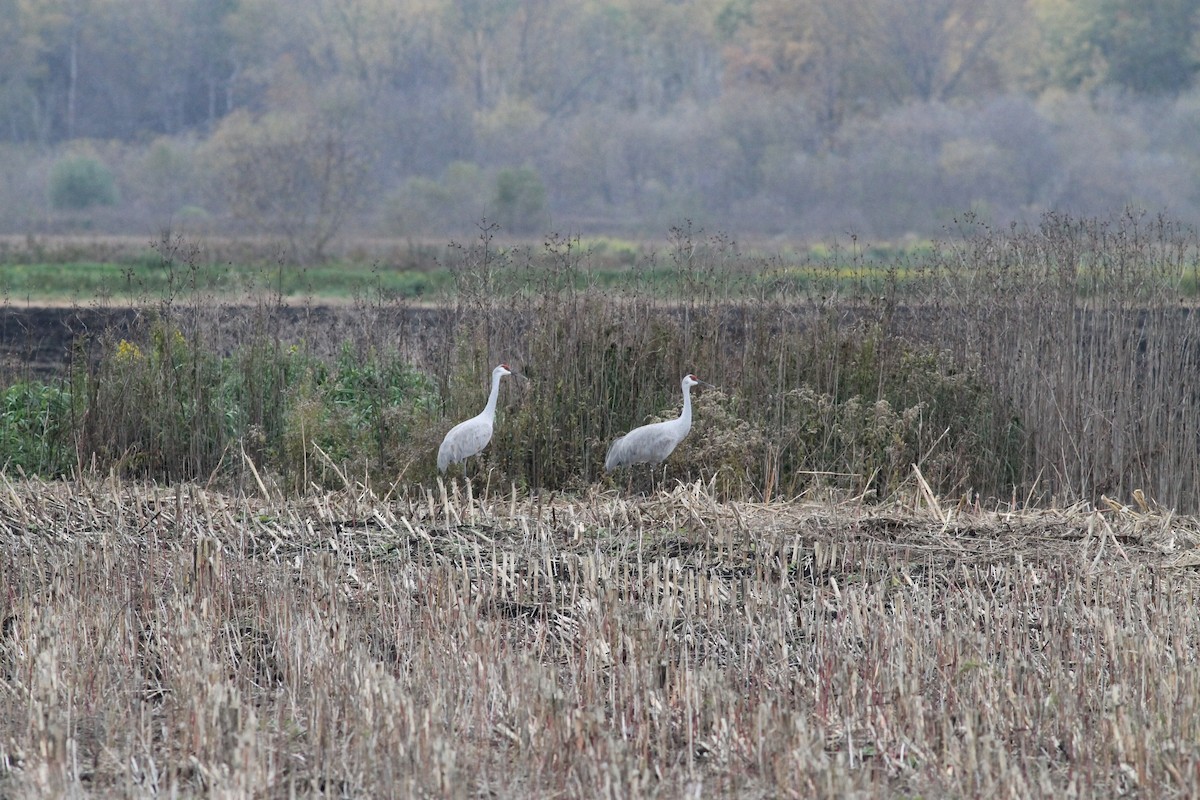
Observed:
{"x":175,"y":640}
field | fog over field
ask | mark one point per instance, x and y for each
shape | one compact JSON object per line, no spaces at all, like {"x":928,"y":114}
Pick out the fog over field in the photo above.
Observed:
{"x":320,"y":120}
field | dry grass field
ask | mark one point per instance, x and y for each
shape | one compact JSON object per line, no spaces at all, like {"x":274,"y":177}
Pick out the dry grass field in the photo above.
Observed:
{"x":180,"y":641}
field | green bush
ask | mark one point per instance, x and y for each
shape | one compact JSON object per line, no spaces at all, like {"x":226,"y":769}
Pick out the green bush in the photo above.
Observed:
{"x":153,"y":407}
{"x":36,"y":429}
{"x":80,"y":182}
{"x":360,"y":411}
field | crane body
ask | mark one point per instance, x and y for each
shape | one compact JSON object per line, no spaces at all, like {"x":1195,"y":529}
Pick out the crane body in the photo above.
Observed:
{"x":651,"y":444}
{"x":469,"y":437}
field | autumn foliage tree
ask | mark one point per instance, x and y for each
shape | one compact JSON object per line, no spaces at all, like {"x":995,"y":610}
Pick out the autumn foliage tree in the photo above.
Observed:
{"x":292,"y":175}
{"x":1147,"y":46}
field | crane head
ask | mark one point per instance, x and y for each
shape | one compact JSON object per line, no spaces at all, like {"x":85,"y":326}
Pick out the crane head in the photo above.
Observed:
{"x":503,"y":369}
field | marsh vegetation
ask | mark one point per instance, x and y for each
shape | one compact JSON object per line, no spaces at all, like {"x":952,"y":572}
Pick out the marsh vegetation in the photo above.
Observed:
{"x":1040,"y":365}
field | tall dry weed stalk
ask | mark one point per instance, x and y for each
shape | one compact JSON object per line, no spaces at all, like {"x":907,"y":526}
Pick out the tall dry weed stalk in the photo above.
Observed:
{"x":1088,"y":329}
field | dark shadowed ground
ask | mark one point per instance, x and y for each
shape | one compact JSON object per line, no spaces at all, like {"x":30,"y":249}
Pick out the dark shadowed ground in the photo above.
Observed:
{"x":40,"y":341}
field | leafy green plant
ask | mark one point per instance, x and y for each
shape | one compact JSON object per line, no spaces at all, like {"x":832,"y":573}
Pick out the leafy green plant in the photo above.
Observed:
{"x":35,"y":429}
{"x":355,"y":413}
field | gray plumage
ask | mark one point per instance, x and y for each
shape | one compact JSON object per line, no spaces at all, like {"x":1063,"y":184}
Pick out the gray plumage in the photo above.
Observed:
{"x":469,"y":437}
{"x":651,"y":444}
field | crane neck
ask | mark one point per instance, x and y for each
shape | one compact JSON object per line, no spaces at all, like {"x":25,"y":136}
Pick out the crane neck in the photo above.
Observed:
{"x":489,"y":410}
{"x":686,"y":416}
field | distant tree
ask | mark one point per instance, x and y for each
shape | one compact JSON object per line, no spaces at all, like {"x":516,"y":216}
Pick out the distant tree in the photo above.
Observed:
{"x":754,"y":132}
{"x":520,"y":200}
{"x":555,"y":61}
{"x":424,"y":206}
{"x":79,"y":182}
{"x":384,"y":59}
{"x":1061,"y":53}
{"x":940,"y":49}
{"x":657,"y":55}
{"x":474,"y":28}
{"x":1147,"y":46}
{"x":293,"y":175}
{"x":165,"y":177}
{"x":114,"y":69}
{"x":135,"y":65}
{"x":20,"y":66}
{"x":846,"y":55}
{"x":810,"y":47}
{"x":57,"y":28}
{"x":374,"y":45}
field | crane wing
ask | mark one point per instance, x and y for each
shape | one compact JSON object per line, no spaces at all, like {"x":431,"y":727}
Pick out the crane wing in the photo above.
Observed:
{"x":463,"y":441}
{"x":647,"y":444}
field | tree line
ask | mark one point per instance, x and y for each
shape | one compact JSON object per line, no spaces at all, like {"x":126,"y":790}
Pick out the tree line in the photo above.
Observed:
{"x":612,"y":110}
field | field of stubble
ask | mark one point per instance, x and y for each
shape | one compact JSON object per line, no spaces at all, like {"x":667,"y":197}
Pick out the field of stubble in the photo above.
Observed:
{"x":185,"y":642}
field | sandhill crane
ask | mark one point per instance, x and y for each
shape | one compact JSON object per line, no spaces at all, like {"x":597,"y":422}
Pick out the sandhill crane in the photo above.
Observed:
{"x":469,"y":437}
{"x":652,"y":443}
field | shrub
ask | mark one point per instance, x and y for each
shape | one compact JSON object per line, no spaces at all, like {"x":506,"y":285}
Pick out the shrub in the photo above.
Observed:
{"x":36,"y":429}
{"x":520,"y":200}
{"x":153,"y":406}
{"x":167,"y":406}
{"x":80,"y":182}
{"x":359,"y":411}
{"x":294,"y":175}
{"x":423,"y":205}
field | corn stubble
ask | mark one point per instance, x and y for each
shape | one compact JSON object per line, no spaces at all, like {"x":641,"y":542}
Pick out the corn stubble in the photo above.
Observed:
{"x":175,"y":640}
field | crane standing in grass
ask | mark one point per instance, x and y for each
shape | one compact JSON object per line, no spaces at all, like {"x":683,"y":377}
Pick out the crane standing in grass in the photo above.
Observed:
{"x":468,"y":438}
{"x":651,"y":444}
